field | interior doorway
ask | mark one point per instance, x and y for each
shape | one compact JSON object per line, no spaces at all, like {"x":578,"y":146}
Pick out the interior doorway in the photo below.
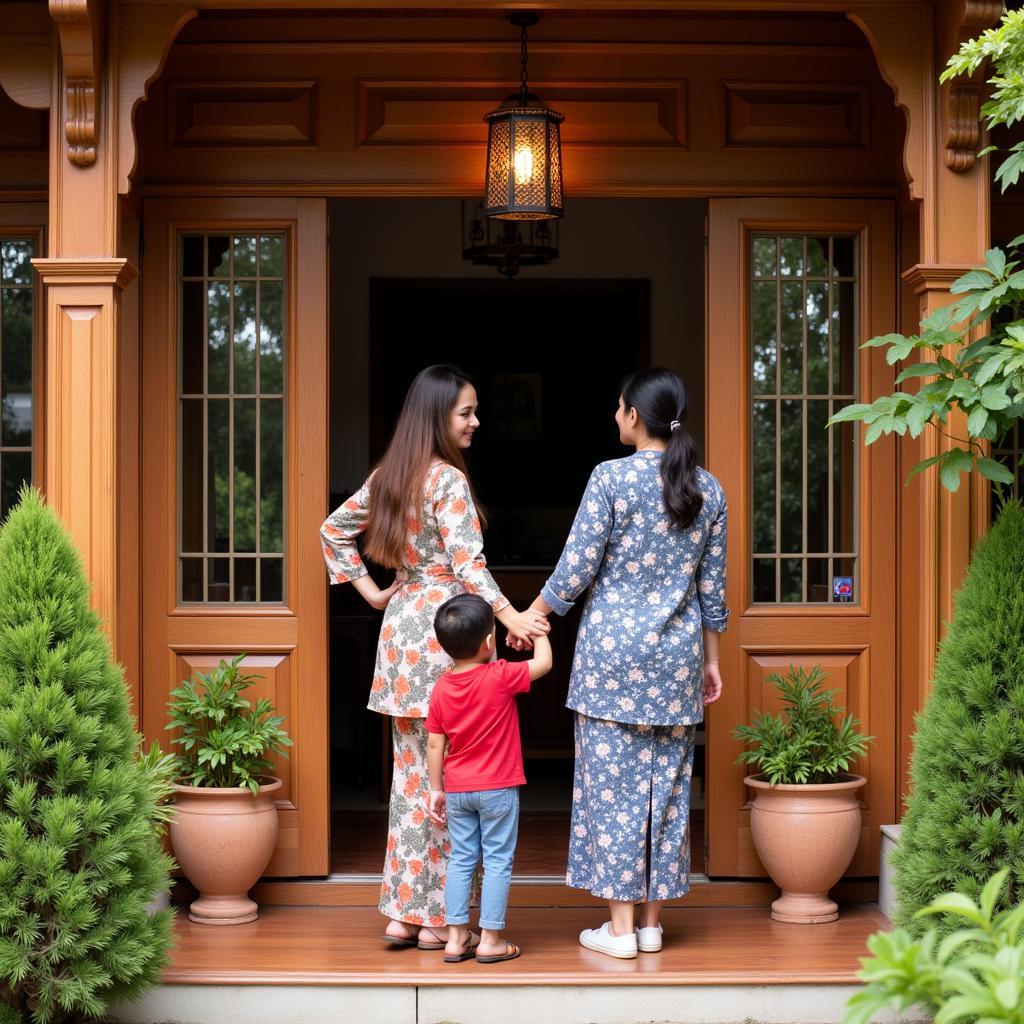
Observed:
{"x":547,"y":350}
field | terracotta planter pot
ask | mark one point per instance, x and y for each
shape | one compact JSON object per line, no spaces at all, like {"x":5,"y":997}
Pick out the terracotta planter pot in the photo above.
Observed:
{"x":806,"y":837}
{"x":223,"y":839}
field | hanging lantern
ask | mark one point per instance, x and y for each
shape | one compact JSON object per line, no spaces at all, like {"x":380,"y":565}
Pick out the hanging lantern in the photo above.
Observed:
{"x":524,"y":151}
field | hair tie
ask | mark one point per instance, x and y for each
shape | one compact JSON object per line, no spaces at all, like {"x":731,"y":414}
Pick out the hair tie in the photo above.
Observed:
{"x":674,"y":425}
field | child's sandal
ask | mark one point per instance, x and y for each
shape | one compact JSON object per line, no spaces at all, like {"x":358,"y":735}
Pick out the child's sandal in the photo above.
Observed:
{"x":511,"y":952}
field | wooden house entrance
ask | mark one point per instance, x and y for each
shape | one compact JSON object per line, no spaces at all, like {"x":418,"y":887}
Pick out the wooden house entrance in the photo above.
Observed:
{"x":245,"y":367}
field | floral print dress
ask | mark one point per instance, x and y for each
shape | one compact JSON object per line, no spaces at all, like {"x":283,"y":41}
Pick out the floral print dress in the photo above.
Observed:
{"x":637,"y":675}
{"x":443,"y":557}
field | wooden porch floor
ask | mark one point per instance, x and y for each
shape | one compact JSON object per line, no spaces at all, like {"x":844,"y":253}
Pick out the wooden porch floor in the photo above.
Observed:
{"x":703,"y":946}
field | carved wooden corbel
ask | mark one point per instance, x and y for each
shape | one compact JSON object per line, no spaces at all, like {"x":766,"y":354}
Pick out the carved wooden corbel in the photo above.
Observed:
{"x":79,"y":27}
{"x":963,"y":95}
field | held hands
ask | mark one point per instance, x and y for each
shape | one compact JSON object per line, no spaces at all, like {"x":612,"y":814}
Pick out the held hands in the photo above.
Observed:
{"x":436,"y":807}
{"x":523,"y":626}
{"x":712,"y":682}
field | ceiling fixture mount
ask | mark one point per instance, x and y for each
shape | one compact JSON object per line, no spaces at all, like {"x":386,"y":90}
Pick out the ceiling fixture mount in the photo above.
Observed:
{"x":524,"y":150}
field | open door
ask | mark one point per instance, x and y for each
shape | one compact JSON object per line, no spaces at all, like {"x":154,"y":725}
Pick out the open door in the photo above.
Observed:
{"x":234,"y":474}
{"x":794,"y":288}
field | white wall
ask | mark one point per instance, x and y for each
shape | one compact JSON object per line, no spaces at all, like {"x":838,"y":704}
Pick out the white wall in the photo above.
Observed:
{"x":660,"y":240}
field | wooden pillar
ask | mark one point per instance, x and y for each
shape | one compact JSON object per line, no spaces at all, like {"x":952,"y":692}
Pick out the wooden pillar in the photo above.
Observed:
{"x":950,"y":188}
{"x":83,"y":277}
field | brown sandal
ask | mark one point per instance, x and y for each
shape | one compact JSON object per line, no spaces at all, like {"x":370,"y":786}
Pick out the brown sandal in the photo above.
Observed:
{"x":467,"y":954}
{"x":431,"y":946}
{"x":401,"y":941}
{"x":511,"y":952}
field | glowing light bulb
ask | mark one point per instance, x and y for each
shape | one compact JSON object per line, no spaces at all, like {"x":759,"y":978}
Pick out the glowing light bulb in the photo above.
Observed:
{"x":523,"y":165}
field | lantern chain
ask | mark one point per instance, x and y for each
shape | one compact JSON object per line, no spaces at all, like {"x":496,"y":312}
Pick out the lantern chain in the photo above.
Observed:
{"x":524,"y":56}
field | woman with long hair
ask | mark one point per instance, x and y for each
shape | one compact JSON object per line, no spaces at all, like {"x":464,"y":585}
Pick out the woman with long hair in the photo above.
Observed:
{"x":420,"y":518}
{"x":649,"y":541}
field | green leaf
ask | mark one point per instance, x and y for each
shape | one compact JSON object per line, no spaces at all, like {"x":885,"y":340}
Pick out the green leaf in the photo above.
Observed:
{"x":886,"y":339}
{"x":940,"y":319}
{"x":971,"y":281}
{"x":954,"y":462}
{"x":923,"y":465}
{"x":995,"y":260}
{"x":977,"y":421}
{"x":955,"y":903}
{"x":995,"y":471}
{"x":918,"y":416}
{"x":851,"y":412}
{"x":994,"y":397}
{"x":926,"y":369}
{"x":899,"y":350}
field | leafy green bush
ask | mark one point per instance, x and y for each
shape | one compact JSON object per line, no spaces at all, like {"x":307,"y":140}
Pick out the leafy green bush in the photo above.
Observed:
{"x":224,"y":739}
{"x":983,"y":379}
{"x":80,"y":850}
{"x":965,"y":813}
{"x":803,"y":744}
{"x":975,"y":973}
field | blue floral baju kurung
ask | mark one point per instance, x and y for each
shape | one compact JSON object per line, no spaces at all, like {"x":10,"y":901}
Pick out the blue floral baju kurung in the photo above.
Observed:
{"x":637,"y":676}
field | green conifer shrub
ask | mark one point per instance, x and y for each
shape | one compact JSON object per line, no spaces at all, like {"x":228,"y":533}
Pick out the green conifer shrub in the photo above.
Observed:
{"x":80,"y":849}
{"x":965,"y":814}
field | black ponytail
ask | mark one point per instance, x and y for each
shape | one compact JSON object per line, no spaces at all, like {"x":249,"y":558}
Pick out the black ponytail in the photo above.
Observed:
{"x":659,"y":398}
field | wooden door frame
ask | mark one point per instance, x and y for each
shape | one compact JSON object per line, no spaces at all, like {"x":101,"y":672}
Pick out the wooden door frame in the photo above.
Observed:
{"x":28,"y":220}
{"x":731,"y":221}
{"x":170,"y":629}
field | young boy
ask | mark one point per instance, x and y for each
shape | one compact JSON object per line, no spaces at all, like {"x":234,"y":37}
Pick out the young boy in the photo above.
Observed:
{"x":473,"y":708}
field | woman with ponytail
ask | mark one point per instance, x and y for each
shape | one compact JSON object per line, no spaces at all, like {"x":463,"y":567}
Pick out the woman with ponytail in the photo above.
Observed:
{"x":649,"y":541}
{"x":420,"y":518}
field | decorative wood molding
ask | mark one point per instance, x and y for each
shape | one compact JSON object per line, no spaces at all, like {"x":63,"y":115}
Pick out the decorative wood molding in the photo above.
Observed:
{"x":432,"y":113}
{"x":26,"y":54}
{"x":934,"y":277}
{"x":832,"y":115}
{"x":25,"y":69}
{"x":79,"y":26}
{"x":115,"y":271}
{"x":897,"y":34}
{"x":270,"y":113}
{"x":146,"y":32}
{"x":963,"y":95}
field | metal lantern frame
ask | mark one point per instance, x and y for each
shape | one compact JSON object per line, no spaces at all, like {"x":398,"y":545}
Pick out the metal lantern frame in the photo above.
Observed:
{"x":507,"y":245}
{"x":523,"y":124}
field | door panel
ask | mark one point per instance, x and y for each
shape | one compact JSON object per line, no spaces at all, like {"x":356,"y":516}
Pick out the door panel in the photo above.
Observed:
{"x":234,"y":371}
{"x":812,"y":513}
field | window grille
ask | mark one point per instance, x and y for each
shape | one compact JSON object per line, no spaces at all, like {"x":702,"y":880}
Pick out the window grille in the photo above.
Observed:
{"x":803,"y":358}
{"x":231,"y":418}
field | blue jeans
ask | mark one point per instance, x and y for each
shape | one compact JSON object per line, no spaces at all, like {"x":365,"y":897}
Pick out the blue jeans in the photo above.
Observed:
{"x":482,"y":825}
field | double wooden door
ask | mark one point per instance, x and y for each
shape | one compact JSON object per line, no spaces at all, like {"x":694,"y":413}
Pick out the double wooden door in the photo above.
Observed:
{"x":234,"y":478}
{"x":234,"y":475}
{"x":794,"y":287}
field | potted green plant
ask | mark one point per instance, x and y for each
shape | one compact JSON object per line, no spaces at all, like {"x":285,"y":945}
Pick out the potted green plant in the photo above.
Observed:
{"x":225,"y":823}
{"x":805,"y":819}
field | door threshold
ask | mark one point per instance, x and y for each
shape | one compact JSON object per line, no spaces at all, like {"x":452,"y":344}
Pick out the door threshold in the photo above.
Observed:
{"x":355,"y":879}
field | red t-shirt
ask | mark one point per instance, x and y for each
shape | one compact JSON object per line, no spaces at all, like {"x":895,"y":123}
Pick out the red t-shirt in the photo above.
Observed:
{"x":477,"y":711}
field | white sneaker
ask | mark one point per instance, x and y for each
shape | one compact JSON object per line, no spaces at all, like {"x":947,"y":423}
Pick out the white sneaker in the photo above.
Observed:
{"x":602,"y":940}
{"x":648,"y":940}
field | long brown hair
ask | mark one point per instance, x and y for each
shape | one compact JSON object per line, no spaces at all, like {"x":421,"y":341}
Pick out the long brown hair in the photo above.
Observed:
{"x":422,"y":435}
